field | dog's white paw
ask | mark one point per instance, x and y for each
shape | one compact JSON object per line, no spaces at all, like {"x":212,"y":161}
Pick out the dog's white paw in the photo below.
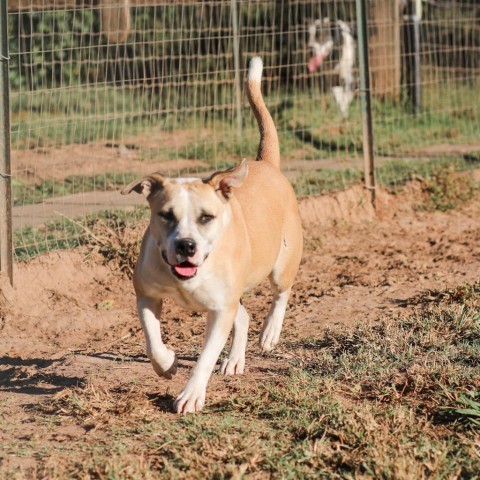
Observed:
{"x":233,"y":365}
{"x":165,"y":365}
{"x":190,"y":400}
{"x":270,"y":336}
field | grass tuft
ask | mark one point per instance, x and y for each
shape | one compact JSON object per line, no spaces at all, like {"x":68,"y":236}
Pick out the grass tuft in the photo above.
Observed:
{"x":115,"y":234}
{"x":446,"y":189}
{"x":464,"y":410}
{"x":117,"y":237}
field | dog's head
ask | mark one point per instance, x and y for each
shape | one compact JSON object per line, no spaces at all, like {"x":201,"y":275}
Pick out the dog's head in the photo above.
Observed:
{"x":188,"y":214}
{"x":320,"y":41}
{"x":326,"y":36}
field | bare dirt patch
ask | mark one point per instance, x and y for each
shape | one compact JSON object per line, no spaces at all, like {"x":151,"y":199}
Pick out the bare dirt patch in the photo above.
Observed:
{"x":71,"y":320}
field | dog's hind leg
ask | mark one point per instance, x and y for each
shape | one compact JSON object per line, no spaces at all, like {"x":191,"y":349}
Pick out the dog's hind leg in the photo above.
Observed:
{"x":234,"y":364}
{"x":272,"y":325}
{"x":164,"y":360}
{"x":281,"y":280}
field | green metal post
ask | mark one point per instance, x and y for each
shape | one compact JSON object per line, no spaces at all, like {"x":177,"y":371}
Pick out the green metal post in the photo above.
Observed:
{"x":367,"y":124}
{"x":6,"y":234}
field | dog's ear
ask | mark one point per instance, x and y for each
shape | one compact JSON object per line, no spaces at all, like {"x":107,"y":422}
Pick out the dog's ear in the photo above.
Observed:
{"x":146,"y":185}
{"x":223,"y":182}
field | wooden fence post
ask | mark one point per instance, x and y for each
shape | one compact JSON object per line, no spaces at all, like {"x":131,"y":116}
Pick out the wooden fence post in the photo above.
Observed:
{"x":385,"y":48}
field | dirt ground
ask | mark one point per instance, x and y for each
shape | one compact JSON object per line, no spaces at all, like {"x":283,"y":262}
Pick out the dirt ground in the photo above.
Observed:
{"x":71,"y":318}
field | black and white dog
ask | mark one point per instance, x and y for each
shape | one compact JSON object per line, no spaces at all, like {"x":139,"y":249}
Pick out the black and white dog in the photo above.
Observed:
{"x":324,"y":35}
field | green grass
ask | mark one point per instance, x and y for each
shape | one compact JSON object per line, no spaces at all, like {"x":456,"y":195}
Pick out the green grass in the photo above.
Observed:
{"x":438,"y":174}
{"x":81,"y":115}
{"x":466,"y":410}
{"x":326,"y":181}
{"x":55,"y":235}
{"x":24,"y":194}
{"x":78,"y":115}
{"x":309,"y":129}
{"x":397,"y":399}
{"x":449,"y":116}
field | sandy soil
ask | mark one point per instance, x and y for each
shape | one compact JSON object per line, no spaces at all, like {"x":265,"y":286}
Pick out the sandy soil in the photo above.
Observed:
{"x":71,"y":318}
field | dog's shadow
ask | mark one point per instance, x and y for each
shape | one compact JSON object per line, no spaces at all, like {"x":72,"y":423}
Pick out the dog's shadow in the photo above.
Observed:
{"x":34,"y":376}
{"x":162,"y":402}
{"x":27,"y":376}
{"x":184,"y":361}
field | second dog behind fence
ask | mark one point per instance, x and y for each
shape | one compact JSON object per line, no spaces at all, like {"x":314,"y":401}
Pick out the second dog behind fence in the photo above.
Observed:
{"x":324,"y":36}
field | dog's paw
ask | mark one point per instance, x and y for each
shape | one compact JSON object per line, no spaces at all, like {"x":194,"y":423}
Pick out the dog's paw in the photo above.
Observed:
{"x":190,"y":400}
{"x":269,"y":337}
{"x":234,"y":365}
{"x":166,"y":365}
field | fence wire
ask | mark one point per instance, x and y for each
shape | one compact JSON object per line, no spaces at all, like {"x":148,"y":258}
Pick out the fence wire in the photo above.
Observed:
{"x":102,"y":93}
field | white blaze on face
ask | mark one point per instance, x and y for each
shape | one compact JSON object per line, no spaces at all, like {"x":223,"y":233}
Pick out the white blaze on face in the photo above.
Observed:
{"x":185,"y":228}
{"x":188,"y":206}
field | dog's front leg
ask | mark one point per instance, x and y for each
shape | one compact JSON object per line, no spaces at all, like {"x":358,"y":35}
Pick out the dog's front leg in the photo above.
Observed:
{"x":219,"y":325}
{"x":164,"y":360}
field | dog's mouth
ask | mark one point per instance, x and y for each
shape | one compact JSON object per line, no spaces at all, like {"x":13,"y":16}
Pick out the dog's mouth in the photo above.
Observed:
{"x":316,"y":61}
{"x":184,"y":270}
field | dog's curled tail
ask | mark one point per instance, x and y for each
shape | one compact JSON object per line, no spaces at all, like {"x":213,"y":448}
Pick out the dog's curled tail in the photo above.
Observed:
{"x":269,"y":149}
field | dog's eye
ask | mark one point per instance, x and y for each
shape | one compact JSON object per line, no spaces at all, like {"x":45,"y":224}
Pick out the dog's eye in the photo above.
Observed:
{"x":205,"y":218}
{"x":167,"y":216}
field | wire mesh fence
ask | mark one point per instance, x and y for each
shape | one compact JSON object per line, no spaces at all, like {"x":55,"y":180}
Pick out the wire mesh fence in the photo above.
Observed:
{"x":103,"y":92}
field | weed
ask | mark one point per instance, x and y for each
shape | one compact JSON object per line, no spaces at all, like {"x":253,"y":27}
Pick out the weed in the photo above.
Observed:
{"x":117,"y":237}
{"x":464,"y":409}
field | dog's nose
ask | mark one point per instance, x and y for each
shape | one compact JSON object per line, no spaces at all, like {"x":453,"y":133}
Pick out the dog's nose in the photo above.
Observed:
{"x":185,"y":247}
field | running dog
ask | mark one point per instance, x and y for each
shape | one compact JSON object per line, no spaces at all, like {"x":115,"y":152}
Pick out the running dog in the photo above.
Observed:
{"x":210,"y":241}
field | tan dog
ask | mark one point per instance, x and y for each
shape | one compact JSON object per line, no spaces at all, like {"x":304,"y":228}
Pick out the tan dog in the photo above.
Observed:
{"x":210,"y":241}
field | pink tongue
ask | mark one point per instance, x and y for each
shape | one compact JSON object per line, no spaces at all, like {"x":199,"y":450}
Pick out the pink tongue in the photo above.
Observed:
{"x":188,"y":271}
{"x":315,"y":62}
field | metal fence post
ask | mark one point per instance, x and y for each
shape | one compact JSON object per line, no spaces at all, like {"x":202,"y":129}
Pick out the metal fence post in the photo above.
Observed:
{"x":367,"y":126}
{"x":6,"y":234}
{"x":236,"y":60}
